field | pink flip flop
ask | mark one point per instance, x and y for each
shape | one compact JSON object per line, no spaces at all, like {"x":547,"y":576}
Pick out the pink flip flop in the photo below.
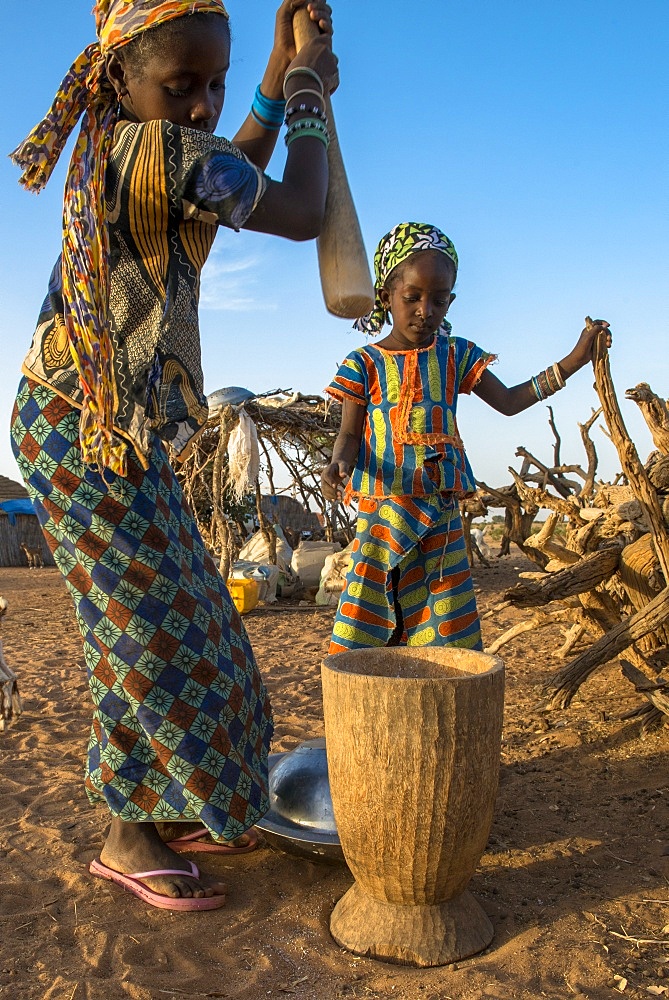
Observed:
{"x":131,"y":884}
{"x":193,"y":842}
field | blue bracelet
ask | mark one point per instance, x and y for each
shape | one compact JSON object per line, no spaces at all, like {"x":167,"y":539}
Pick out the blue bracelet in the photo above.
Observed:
{"x":261,"y":121}
{"x":266,"y":111}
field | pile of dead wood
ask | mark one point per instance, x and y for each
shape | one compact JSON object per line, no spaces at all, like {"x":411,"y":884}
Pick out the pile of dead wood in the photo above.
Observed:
{"x":602,"y":554}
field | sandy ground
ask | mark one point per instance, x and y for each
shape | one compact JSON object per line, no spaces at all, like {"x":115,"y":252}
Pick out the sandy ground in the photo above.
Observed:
{"x":575,"y":878}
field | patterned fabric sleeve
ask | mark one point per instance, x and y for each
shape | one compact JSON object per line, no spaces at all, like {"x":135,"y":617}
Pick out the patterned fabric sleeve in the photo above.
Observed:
{"x":471,"y":362}
{"x":350,"y":382}
{"x":216,"y":182}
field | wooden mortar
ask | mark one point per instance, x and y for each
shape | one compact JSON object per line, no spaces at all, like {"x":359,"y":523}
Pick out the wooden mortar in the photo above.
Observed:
{"x":413,"y":743}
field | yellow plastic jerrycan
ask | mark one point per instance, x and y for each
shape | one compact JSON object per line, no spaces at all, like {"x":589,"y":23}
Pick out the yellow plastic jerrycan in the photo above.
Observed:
{"x":244,"y":593}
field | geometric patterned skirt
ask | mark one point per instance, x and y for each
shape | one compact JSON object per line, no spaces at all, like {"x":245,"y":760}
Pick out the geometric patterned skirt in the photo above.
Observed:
{"x":418,"y":545}
{"x":182,"y":721}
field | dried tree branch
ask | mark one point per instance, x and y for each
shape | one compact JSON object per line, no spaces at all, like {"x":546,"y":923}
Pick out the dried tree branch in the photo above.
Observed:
{"x":547,"y":473}
{"x":584,"y":576}
{"x":627,"y":453}
{"x":591,"y":453}
{"x":558,"y":442}
{"x":540,"y":499}
{"x":564,"y":685}
{"x":530,"y":625}
{"x":653,"y":692}
{"x":572,"y":638}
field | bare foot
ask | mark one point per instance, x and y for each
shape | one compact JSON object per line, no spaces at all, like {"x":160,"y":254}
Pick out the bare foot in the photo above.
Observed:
{"x":243,"y":841}
{"x":137,"y":847}
{"x":177,"y":831}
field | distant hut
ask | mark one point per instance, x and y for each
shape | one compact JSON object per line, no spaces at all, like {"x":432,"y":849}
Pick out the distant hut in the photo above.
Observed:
{"x":290,"y":514}
{"x":18,"y":523}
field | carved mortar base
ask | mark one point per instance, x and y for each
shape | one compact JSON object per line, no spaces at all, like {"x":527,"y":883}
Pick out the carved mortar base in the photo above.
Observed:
{"x":413,"y":742}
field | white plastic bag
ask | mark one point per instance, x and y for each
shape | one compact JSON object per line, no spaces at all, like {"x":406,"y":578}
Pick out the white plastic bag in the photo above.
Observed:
{"x":243,"y":456}
{"x":309,"y":558}
{"x":333,"y":577}
{"x":256,"y":549}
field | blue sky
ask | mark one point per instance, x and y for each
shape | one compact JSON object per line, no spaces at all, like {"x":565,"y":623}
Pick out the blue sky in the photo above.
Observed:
{"x":535,"y":133}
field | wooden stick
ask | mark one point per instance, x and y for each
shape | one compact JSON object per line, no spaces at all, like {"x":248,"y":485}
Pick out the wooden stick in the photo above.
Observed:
{"x":629,"y":458}
{"x":347,"y":284}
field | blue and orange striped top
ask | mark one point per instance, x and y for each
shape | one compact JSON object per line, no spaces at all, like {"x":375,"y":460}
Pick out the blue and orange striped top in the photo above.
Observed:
{"x":410,"y":443}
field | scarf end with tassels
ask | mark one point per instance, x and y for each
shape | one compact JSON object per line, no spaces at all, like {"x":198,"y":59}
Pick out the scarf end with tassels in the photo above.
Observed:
{"x":101,"y":448}
{"x":33,"y":178}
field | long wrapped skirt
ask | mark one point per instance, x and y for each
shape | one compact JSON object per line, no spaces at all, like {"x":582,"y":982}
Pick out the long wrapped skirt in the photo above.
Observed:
{"x":182,"y":720}
{"x":418,"y":544}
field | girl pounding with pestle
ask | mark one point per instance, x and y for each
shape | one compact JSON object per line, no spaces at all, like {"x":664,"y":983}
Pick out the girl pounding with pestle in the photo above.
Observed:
{"x":182,"y":721}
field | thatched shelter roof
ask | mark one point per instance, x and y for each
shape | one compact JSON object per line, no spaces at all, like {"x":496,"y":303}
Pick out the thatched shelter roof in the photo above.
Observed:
{"x":11,"y":490}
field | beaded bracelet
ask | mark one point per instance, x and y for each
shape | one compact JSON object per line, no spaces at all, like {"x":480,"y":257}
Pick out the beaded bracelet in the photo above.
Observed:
{"x":302,"y":71}
{"x":544,"y":385}
{"x":308,"y":127}
{"x":266,"y":111}
{"x":307,"y":123}
{"x":548,"y":382}
{"x":300,"y":109}
{"x":557,"y":376}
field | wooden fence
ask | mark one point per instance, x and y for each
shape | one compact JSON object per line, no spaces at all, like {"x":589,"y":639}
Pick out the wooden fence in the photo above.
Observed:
{"x":25,"y":529}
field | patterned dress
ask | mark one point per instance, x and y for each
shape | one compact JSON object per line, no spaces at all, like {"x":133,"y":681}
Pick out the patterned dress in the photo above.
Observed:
{"x":182,"y":721}
{"x":411,"y":471}
{"x":168,"y":188}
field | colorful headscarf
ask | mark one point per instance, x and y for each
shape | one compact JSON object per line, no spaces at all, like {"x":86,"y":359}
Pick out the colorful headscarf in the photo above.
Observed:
{"x":87,"y":91}
{"x":405,"y":239}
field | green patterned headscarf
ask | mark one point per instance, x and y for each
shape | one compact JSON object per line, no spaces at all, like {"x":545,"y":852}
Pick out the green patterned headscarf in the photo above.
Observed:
{"x":401,"y":242}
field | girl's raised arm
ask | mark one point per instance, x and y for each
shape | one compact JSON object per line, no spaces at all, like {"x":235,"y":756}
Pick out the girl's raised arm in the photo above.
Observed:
{"x":294,"y":206}
{"x":519,"y":397}
{"x":259,"y":132}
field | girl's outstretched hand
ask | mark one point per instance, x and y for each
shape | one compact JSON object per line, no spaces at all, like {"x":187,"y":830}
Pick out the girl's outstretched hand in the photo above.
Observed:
{"x":583,"y":351}
{"x":333,"y":478}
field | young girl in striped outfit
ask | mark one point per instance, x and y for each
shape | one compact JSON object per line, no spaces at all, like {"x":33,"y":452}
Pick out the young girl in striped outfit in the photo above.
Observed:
{"x":409,"y":581}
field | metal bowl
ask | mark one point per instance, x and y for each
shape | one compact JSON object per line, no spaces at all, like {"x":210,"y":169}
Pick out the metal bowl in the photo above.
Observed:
{"x":301,"y":818}
{"x":232,"y":395}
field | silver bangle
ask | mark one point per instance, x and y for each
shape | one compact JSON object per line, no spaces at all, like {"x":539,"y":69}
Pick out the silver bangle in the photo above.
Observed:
{"x":302,"y":70}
